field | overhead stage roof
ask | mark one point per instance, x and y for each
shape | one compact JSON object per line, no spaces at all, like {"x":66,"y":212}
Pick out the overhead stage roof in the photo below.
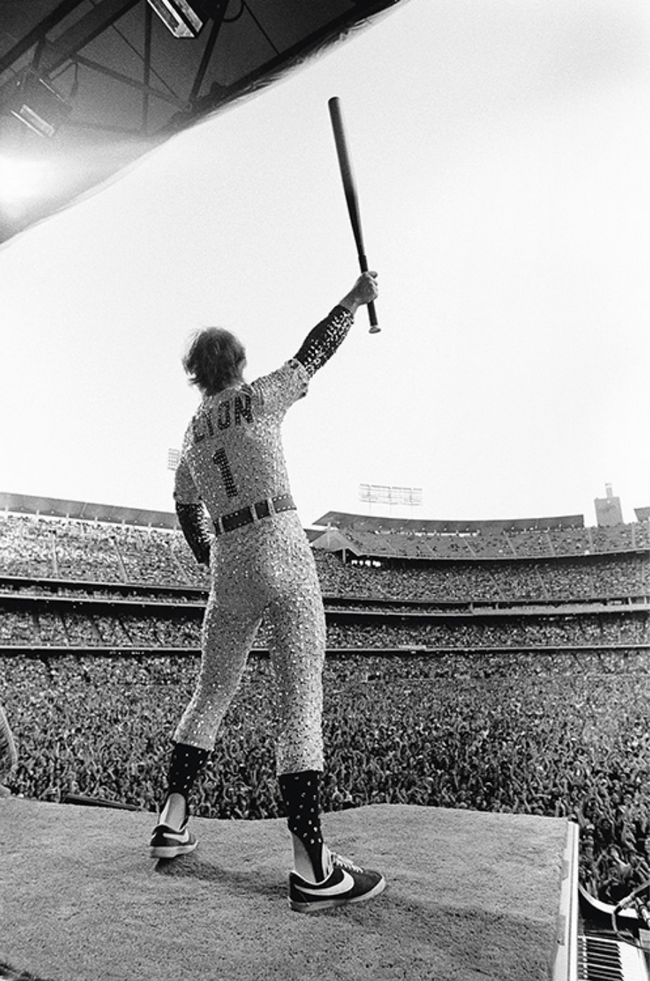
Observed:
{"x":111,"y":82}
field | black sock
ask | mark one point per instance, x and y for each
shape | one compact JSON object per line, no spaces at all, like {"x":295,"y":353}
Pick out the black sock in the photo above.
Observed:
{"x":185,"y":765}
{"x":301,"y":793}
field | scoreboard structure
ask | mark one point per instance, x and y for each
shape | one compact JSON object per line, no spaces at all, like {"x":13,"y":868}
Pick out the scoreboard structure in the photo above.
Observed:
{"x":608,"y":509}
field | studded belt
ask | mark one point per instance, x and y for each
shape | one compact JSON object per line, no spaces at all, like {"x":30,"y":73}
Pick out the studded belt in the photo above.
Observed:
{"x":254,"y":512}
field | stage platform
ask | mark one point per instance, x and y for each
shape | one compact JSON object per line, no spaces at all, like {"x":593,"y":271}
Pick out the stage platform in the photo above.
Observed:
{"x":471,"y":896}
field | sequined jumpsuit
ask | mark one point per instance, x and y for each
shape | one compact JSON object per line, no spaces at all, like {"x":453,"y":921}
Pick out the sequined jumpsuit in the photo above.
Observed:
{"x":232,"y":459}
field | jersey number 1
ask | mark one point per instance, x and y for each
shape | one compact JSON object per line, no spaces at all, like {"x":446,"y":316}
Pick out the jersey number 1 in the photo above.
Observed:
{"x":221,"y":461}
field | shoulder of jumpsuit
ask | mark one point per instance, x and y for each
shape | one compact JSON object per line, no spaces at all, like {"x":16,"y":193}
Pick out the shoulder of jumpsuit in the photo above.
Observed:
{"x":282,"y":387}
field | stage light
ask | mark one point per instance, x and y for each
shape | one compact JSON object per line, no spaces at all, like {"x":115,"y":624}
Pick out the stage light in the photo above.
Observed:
{"x":38,"y":105}
{"x":24,"y":182}
{"x":20,"y":179}
{"x":184,"y":18}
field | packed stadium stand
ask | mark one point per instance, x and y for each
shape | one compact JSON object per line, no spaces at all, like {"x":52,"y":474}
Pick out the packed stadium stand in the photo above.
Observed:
{"x":87,"y":576}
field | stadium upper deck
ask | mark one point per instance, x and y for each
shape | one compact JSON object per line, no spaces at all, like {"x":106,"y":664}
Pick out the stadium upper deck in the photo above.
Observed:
{"x":470,"y":540}
{"x":386,"y":537}
{"x":55,"y":507}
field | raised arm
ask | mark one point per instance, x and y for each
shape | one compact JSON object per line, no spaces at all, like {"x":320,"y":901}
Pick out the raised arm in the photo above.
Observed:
{"x":321,"y":342}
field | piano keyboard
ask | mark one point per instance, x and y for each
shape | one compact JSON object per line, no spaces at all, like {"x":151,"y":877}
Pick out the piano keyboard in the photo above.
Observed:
{"x":607,"y":959}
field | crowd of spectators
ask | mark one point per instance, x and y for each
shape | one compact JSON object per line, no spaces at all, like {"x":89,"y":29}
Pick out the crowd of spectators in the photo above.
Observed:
{"x":499,"y":581}
{"x":603,"y":577}
{"x":514,"y":632}
{"x":35,"y":546}
{"x":485,"y":541}
{"x":117,"y":630}
{"x":494,"y":732}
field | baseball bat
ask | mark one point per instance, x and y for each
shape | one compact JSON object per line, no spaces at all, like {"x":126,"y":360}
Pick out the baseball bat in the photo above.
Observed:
{"x":351,"y":196}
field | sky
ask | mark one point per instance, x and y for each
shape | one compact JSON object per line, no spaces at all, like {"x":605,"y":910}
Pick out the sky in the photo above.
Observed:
{"x":502,"y":155}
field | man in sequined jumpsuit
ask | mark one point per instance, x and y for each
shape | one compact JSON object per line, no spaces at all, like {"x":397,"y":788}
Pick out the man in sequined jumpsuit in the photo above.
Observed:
{"x":233,"y":470}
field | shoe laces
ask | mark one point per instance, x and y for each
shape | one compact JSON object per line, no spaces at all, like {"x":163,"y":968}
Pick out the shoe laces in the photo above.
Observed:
{"x":344,"y":863}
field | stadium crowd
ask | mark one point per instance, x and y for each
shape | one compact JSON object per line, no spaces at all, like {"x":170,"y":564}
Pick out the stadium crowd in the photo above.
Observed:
{"x":34,"y":546}
{"x":96,"y":552}
{"x":502,"y":580}
{"x":499,"y":732}
{"x":113,"y":628}
{"x":488,"y":541}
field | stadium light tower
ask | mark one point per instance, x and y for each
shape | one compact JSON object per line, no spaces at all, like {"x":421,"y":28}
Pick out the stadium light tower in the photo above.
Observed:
{"x":382,"y":494}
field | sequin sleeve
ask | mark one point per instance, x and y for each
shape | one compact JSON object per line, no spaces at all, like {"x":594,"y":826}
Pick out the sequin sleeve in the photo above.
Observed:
{"x":321,"y":342}
{"x":185,"y":491}
{"x":191,"y":513}
{"x":194,"y":525}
